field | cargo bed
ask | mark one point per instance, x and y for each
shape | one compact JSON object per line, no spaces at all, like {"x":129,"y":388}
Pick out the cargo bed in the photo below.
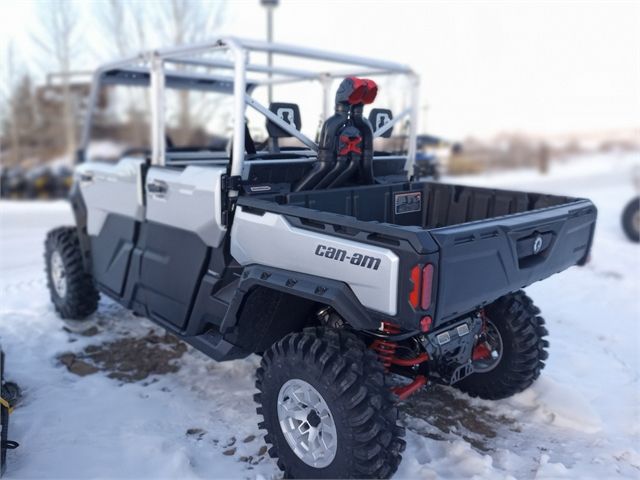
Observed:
{"x":488,"y":241}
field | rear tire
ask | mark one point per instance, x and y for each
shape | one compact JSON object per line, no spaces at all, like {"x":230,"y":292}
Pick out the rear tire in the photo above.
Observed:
{"x":72,"y":290}
{"x":631,"y":220}
{"x":521,"y":332}
{"x":360,"y":410}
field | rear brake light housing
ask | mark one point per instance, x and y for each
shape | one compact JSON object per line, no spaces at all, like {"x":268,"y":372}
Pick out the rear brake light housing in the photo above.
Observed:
{"x":427,"y":284}
{"x":414,"y":294}
{"x":421,"y":286}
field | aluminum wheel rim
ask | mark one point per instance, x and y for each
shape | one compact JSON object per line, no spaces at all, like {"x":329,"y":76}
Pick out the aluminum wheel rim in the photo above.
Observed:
{"x":58,"y":274}
{"x":635,"y":220}
{"x":307,"y":423}
{"x":494,"y":339}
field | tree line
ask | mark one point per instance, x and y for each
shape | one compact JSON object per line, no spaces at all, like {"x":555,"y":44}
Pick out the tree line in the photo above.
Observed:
{"x":42,"y":107}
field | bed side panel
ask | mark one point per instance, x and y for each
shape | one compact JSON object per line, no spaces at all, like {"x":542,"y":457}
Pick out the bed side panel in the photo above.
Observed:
{"x":266,"y":238}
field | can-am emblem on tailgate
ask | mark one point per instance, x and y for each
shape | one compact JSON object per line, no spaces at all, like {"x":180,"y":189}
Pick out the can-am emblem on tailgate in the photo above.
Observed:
{"x":357,"y":259}
{"x":537,"y":244}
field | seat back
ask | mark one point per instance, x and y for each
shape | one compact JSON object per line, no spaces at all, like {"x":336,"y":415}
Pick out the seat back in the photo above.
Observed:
{"x":345,"y":147}
{"x":287,"y":112}
{"x":379,"y":117}
{"x":351,"y":148}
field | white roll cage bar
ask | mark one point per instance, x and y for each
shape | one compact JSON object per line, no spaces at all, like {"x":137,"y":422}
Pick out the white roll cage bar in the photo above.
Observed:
{"x":154,"y":62}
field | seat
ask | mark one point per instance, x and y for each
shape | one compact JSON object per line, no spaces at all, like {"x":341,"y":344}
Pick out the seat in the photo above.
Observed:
{"x":345,"y":146}
{"x":379,"y":117}
{"x":287,"y":112}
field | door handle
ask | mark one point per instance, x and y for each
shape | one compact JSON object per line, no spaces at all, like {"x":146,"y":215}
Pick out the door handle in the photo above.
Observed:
{"x":157,"y":187}
{"x":86,"y":177}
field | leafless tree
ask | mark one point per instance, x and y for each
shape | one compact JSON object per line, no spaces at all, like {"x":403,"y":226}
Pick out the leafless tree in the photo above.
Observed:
{"x":138,"y":15}
{"x":58,"y":39}
{"x":134,"y":26}
{"x":114,"y":22}
{"x":123,"y":25}
{"x":187,"y":21}
{"x":10,"y":124}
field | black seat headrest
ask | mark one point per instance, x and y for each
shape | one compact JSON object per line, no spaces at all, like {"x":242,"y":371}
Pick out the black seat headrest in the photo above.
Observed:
{"x":379,"y":117}
{"x":288,"y":112}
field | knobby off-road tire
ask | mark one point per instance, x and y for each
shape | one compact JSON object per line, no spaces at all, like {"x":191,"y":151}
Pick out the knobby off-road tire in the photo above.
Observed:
{"x":72,"y":290}
{"x":522,"y":335}
{"x":631,"y":220}
{"x":351,"y":382}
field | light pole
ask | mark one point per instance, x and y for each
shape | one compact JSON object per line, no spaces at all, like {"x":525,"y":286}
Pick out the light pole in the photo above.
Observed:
{"x":270,"y":5}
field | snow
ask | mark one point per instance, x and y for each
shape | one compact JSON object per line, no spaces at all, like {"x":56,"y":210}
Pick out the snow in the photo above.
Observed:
{"x":581,"y":419}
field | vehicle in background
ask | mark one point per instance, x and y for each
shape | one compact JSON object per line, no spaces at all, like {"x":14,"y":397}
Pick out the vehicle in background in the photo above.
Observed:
{"x":40,"y":183}
{"x":426,"y":166}
{"x":432,"y":155}
{"x":63,"y":178}
{"x":13,"y":183}
{"x":323,"y":258}
{"x":3,"y":181}
{"x":631,"y":213}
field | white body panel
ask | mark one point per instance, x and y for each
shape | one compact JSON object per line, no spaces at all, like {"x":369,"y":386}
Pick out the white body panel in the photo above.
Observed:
{"x":191,"y":200}
{"x":270,"y":240}
{"x":111,"y":188}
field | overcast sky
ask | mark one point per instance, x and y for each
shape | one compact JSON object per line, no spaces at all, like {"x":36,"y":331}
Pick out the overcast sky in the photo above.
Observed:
{"x":486,"y":67}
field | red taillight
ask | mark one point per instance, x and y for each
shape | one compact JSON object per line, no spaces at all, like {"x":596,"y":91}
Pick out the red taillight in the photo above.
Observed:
{"x":414,"y":294}
{"x":427,"y":283}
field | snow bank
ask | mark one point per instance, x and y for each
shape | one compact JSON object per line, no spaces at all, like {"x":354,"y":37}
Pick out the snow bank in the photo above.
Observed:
{"x":580,"y":420}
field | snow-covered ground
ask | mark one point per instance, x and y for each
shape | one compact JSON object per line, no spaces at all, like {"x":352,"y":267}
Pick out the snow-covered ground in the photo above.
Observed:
{"x":580,"y":420}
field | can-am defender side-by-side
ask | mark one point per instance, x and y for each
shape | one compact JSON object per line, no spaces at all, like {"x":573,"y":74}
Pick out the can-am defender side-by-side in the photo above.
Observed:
{"x":327,"y":260}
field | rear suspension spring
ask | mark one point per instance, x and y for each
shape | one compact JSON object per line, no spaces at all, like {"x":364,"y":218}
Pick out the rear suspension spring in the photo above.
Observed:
{"x":386,"y":349}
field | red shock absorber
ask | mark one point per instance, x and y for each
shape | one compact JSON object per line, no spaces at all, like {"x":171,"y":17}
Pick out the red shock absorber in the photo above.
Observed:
{"x":386,"y":349}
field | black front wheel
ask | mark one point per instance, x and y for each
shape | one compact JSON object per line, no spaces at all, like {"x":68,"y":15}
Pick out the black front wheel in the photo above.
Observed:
{"x":327,"y":410}
{"x":510,"y":351}
{"x":71,"y":288}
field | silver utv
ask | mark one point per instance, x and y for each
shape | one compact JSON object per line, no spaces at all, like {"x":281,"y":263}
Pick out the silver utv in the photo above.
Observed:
{"x":252,"y":247}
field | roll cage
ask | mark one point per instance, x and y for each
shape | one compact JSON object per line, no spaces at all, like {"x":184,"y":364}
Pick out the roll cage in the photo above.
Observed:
{"x":151,"y":69}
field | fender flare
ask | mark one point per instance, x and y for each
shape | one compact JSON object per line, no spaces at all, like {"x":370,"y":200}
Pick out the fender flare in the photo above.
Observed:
{"x":330,"y":292}
{"x":79,"y":209}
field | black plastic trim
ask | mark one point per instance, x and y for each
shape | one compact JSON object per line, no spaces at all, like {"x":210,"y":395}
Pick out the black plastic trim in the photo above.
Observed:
{"x":419,"y":239}
{"x":322,"y":290}
{"x":80,"y":214}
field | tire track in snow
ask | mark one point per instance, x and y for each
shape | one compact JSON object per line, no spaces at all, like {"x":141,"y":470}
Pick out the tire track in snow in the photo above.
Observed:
{"x":22,"y":286}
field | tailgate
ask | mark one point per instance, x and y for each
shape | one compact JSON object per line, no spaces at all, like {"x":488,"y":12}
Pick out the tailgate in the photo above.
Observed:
{"x":481,"y":261}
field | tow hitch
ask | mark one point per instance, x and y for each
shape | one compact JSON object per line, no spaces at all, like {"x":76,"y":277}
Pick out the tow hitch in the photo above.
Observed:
{"x":452,"y":347}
